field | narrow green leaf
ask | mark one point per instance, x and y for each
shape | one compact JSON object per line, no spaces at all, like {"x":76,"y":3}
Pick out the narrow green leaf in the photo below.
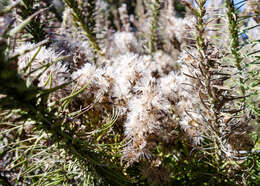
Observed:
{"x":25,"y":22}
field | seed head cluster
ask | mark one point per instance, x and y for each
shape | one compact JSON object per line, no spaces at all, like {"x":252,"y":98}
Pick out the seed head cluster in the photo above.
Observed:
{"x":186,"y":88}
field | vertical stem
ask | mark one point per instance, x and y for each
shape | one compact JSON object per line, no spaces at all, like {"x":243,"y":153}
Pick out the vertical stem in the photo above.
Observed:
{"x":153,"y":36}
{"x":86,"y":27}
{"x":205,"y":64}
{"x":233,"y":30}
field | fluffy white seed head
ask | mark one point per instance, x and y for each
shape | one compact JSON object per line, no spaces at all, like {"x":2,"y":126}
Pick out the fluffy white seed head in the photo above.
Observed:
{"x":124,"y":42}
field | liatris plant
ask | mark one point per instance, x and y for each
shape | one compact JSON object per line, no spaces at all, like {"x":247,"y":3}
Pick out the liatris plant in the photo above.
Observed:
{"x":144,"y":92}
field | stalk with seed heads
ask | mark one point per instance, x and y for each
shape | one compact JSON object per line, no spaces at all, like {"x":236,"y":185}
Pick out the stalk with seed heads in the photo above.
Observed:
{"x":88,"y":28}
{"x":233,"y":23}
{"x":154,"y":26}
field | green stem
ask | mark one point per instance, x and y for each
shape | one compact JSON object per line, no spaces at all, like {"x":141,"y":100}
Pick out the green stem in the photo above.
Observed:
{"x":88,"y":28}
{"x":153,"y":35}
{"x":234,"y":30}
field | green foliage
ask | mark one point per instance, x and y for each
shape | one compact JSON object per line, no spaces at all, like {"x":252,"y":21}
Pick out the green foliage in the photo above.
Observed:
{"x":4,"y":2}
{"x":88,"y":27}
{"x":36,"y":26}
